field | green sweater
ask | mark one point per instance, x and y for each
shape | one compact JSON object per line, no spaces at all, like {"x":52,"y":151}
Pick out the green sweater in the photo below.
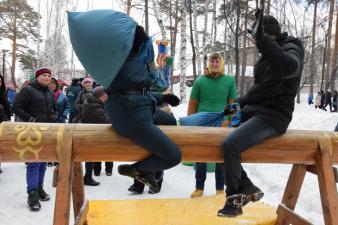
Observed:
{"x":213,"y":93}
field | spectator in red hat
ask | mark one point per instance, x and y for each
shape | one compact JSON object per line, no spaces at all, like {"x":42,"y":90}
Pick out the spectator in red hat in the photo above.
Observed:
{"x":35,"y":103}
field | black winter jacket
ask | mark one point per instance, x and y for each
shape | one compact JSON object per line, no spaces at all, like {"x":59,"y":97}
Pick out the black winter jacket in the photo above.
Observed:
{"x":277,"y":75}
{"x":35,"y":101}
{"x":93,"y":111}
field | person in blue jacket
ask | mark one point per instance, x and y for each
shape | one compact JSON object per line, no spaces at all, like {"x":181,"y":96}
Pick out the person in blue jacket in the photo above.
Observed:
{"x":131,"y":106}
{"x":62,"y":102}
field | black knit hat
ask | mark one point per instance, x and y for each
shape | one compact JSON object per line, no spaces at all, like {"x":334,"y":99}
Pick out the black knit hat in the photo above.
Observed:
{"x":271,"y":25}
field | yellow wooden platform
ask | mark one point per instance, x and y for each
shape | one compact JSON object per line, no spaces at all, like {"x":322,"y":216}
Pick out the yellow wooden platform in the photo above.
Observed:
{"x":196,"y":211}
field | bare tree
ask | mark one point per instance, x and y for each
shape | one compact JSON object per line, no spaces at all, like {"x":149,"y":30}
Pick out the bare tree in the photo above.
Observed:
{"x":183,"y":50}
{"x":244,"y":51}
{"x":328,"y":48}
{"x":197,"y":44}
{"x":205,"y":33}
{"x":192,"y":41}
{"x":334,"y":57}
{"x":312,"y":63}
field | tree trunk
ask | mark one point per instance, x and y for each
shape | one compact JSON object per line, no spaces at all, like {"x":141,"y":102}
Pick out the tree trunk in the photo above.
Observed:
{"x":328,"y":49}
{"x":192,"y":42}
{"x":14,"y":50}
{"x":183,"y":50}
{"x":128,"y":7}
{"x":205,"y":32}
{"x":146,"y":16}
{"x":244,"y":52}
{"x":312,"y":60}
{"x":324,"y":60}
{"x":334,"y":57}
{"x":197,"y":44}
{"x":238,"y":16}
{"x":268,"y":6}
{"x":213,"y":27}
{"x":159,"y":20}
{"x":173,"y":42}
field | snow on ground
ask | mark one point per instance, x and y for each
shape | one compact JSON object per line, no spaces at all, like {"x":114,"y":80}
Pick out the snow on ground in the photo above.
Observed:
{"x":178,"y":182}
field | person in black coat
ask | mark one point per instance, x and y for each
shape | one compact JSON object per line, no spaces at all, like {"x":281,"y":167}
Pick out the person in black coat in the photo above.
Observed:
{"x":72,"y":93}
{"x":5,"y":108}
{"x":327,"y":99}
{"x":93,"y":112}
{"x":266,"y":108}
{"x":35,"y":103}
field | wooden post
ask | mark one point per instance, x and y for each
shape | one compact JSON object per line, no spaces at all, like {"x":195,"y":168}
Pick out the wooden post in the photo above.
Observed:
{"x":291,"y":193}
{"x":62,"y":200}
{"x":77,"y":189}
{"x":327,"y":183}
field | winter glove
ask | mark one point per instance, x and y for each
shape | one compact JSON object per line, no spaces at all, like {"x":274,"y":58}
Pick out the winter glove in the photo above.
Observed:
{"x":232,"y":108}
{"x":172,"y":99}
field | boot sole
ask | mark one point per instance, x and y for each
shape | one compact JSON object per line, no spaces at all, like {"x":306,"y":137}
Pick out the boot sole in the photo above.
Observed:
{"x":253,"y":198}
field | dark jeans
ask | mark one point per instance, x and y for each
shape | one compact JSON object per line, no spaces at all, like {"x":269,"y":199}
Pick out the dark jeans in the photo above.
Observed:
{"x":98,"y":167}
{"x":201,"y":175}
{"x":35,"y":175}
{"x":336,"y":129}
{"x":71,"y":116}
{"x":250,"y":133}
{"x":165,"y":152}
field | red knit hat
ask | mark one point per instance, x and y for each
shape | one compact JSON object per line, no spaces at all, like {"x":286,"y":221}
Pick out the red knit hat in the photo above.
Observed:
{"x":42,"y":70}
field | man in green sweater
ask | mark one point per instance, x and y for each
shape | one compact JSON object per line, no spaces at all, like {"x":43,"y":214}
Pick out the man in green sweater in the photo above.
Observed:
{"x":211,"y":93}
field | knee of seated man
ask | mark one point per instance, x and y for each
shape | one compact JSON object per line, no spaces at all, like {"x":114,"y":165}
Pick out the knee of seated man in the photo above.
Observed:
{"x":230,"y":149}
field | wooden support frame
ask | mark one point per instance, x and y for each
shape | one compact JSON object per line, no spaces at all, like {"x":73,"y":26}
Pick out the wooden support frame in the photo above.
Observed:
{"x":81,"y":218}
{"x":308,"y":151}
{"x":62,"y":200}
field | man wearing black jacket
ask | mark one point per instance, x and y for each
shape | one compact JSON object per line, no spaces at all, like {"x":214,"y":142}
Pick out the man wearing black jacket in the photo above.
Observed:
{"x":266,"y":109}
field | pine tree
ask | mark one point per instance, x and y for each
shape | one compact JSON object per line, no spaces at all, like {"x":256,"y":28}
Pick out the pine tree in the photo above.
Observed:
{"x":18,"y":21}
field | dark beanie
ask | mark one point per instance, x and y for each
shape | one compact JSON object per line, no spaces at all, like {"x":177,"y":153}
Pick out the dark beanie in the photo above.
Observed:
{"x":42,"y":70}
{"x":98,"y":91}
{"x":271,"y":25}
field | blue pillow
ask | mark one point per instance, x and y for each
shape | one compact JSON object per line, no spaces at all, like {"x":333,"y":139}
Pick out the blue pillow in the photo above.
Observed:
{"x":102,"y":41}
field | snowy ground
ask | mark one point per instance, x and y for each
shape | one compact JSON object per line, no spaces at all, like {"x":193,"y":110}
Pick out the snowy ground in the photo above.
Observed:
{"x":178,"y":183}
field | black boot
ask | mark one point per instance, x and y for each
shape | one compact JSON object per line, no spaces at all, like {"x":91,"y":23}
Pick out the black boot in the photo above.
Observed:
{"x":90,"y":181}
{"x":159,"y":180}
{"x":33,"y":200}
{"x":253,"y":193}
{"x":233,"y":206}
{"x":137,"y":187}
{"x":147,"y":178}
{"x":43,"y":196}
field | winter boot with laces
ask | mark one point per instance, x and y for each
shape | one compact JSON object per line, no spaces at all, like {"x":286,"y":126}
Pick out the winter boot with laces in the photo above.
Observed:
{"x":253,"y":193}
{"x":33,"y":200}
{"x":43,"y":196}
{"x":233,"y":206}
{"x":147,"y":178}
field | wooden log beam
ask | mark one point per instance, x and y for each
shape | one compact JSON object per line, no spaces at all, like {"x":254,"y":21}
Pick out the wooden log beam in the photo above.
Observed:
{"x":34,"y":142}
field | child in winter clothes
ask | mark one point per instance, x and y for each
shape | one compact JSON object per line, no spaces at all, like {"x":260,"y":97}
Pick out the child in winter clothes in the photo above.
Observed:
{"x":35,"y":103}
{"x":334,"y":101}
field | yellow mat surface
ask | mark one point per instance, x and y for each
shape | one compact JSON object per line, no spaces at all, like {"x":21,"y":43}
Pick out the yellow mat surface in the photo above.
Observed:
{"x":175,"y":212}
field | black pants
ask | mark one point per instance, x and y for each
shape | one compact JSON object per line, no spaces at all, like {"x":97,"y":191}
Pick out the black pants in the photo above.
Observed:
{"x":250,"y":133}
{"x":71,"y":116}
{"x":98,"y":167}
{"x":165,"y":152}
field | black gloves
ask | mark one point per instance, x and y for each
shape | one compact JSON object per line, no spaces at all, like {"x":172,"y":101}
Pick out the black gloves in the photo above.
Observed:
{"x":172,"y":99}
{"x":257,"y":31}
